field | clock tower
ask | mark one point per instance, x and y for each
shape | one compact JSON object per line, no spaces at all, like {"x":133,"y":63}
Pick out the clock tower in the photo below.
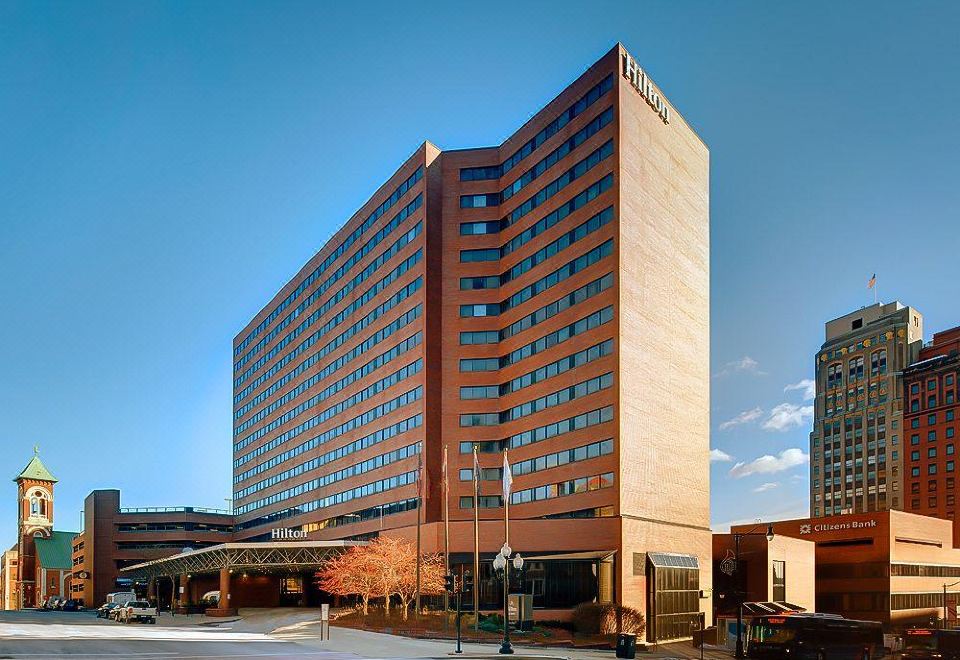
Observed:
{"x":34,"y":521}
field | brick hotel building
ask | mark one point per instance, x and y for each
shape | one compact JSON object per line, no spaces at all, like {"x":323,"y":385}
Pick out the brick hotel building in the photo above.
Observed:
{"x":549,"y":296}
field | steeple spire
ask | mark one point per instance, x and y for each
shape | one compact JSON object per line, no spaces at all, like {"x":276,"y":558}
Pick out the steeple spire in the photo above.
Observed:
{"x":36,"y":470}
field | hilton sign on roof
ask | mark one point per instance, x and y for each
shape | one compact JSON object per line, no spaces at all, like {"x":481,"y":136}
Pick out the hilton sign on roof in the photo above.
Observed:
{"x":638,"y":78}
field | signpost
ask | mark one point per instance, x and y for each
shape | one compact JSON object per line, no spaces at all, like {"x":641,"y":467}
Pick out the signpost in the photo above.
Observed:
{"x":324,"y":621}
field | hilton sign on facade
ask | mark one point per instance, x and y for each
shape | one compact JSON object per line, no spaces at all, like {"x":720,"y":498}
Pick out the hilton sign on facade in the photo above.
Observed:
{"x":286,"y":534}
{"x":641,"y":82}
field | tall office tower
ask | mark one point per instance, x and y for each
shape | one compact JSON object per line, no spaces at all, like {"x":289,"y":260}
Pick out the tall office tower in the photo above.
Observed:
{"x":548,"y":296}
{"x":930,"y":429}
{"x":856,"y":449}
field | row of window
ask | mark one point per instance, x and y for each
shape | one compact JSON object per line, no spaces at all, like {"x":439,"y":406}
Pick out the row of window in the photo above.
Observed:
{"x":578,"y":170}
{"x":332,"y":257}
{"x":566,"y":271}
{"x":342,"y":293}
{"x":541,"y":433}
{"x":363,"y":467}
{"x":552,"y":249}
{"x":364,"y":418}
{"x":337,"y":386}
{"x":497,"y":171}
{"x":363,"y":515}
{"x":337,"y":275}
{"x":949,"y":398}
{"x":376,"y":437}
{"x":358,"y":326}
{"x":948,"y":466}
{"x":314,"y":463}
{"x":948,"y":380}
{"x":589,"y":322}
{"x":948,"y":416}
{"x":551,"y":159}
{"x":562,"y":489}
{"x":540,"y":463}
{"x":366,"y":490}
{"x":567,"y":394}
{"x":924,"y":570}
{"x":362,"y":348}
{"x":545,"y":372}
{"x":338,"y":408}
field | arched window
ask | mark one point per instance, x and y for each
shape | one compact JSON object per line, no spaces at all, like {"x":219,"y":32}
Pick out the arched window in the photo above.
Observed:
{"x":34,"y":506}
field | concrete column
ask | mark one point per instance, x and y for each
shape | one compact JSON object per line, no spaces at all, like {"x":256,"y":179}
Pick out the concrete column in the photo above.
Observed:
{"x":226,"y":607}
{"x":184,"y":596}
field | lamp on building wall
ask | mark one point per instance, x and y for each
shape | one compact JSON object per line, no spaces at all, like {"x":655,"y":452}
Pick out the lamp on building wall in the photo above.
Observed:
{"x":736,"y":555}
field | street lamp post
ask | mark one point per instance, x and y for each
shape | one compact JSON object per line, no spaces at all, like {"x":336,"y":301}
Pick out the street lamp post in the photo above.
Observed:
{"x":736,"y":555}
{"x":945,"y":585}
{"x":501,"y":564}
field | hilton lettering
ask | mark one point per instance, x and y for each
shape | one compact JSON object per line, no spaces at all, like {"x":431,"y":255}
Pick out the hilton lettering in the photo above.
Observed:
{"x":641,"y":83}
{"x":287,"y":534}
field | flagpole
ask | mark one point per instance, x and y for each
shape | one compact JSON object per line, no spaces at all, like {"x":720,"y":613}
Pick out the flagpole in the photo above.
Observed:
{"x":506,"y":500}
{"x":419,"y":507}
{"x":476,"y":540}
{"x":446,"y":531}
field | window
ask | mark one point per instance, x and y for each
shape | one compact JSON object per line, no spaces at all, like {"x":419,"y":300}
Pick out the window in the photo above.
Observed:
{"x":479,"y":201}
{"x":915,"y":388}
{"x":479,"y":228}
{"x":484,"y":282}
{"x":932,"y":468}
{"x":779,"y":581}
{"x":479,"y":337}
{"x":485,"y":309}
{"x":487,"y":254}
{"x":914,"y":439}
{"x":878,"y":362}
{"x":932,"y":452}
{"x":931,"y":385}
{"x":479,"y":392}
{"x":479,"y":364}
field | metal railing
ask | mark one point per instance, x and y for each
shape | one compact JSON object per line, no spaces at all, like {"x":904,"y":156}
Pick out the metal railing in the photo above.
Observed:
{"x":174,"y":509}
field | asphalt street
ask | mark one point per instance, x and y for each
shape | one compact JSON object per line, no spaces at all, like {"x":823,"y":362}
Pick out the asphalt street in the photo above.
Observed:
{"x":33,"y":634}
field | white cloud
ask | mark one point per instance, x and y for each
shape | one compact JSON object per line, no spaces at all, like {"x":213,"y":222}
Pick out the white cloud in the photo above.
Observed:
{"x":807,"y":386}
{"x":799,"y":477}
{"x":767,"y":464}
{"x":770,"y":485}
{"x":746,"y":364}
{"x":745,"y":417}
{"x":720,"y":456}
{"x":787,"y":416}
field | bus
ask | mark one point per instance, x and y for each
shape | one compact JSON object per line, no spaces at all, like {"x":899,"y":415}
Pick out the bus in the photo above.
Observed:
{"x":926,"y":643}
{"x":815,"y":636}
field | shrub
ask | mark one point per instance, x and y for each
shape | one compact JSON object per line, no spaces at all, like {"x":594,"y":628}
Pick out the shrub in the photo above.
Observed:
{"x":606,"y":619}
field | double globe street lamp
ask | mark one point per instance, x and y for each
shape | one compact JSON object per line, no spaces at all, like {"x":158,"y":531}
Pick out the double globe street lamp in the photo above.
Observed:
{"x":501,"y":565}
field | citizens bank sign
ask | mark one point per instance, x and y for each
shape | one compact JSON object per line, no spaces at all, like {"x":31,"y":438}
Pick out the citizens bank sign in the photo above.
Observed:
{"x":287,"y":534}
{"x":838,"y":527}
{"x":638,"y":78}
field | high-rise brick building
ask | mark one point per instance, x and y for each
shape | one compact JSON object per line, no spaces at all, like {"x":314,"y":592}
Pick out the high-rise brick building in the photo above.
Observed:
{"x":549,"y":296}
{"x":856,"y":449}
{"x":930,"y":429}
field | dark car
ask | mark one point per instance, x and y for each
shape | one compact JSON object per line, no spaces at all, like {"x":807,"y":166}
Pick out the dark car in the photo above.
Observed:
{"x":71,"y":605}
{"x":103,"y":612}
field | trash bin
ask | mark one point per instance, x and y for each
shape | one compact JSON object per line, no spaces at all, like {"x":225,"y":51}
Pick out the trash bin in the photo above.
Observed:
{"x":626,"y":645}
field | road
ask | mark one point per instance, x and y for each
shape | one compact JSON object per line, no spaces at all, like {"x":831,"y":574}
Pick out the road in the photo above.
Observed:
{"x":37,"y":635}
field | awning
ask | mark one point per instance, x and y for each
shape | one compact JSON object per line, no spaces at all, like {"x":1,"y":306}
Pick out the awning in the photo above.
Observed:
{"x":673,"y":560}
{"x":593,"y":554}
{"x":270,"y":555}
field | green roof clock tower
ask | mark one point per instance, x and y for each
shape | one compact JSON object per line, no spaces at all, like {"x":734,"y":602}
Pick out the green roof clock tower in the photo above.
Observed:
{"x":34,"y":521}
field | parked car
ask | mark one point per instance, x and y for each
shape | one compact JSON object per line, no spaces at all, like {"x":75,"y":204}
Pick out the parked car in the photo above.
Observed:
{"x":71,"y":605}
{"x":137,"y":610}
{"x":103,"y":612}
{"x":114,"y":614}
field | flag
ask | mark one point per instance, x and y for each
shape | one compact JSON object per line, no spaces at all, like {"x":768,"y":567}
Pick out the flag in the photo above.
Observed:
{"x":507,"y":478}
{"x":476,"y":467}
{"x":873,"y":281}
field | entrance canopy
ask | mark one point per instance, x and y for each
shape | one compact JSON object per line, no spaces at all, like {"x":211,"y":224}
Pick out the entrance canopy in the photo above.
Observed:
{"x":268,"y":555}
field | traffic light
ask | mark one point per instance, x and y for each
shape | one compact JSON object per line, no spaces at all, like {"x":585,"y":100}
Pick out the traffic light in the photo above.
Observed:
{"x":448,"y":583}
{"x":467,"y":582}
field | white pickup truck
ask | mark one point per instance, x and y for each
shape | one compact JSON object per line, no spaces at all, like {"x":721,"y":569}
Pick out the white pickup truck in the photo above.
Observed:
{"x":137,"y":610}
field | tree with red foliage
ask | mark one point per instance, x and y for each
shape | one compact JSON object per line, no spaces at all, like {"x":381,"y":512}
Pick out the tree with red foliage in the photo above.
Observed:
{"x":356,"y":572}
{"x":398,"y":561}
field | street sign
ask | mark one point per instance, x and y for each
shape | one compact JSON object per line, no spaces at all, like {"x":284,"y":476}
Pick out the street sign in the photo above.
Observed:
{"x":325,"y":612}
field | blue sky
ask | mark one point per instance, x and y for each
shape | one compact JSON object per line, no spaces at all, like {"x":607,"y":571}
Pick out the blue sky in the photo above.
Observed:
{"x":166,"y":167}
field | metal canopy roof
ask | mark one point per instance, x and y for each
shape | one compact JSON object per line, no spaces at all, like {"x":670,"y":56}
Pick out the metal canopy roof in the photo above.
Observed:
{"x":266,"y":555}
